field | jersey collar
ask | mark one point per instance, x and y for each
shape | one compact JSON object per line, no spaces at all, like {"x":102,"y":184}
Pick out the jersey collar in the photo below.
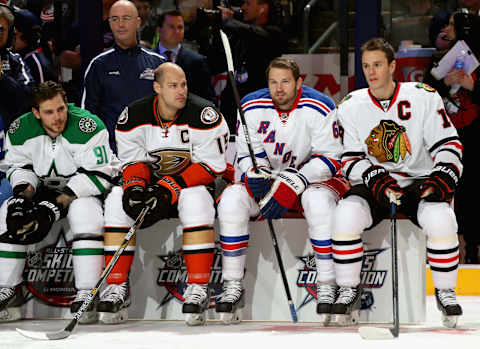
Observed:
{"x":284,"y":114}
{"x":393,"y":98}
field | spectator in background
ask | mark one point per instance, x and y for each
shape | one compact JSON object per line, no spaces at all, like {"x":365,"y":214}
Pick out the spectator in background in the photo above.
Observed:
{"x":255,"y":41}
{"x":15,"y":79}
{"x":463,"y":109}
{"x":436,"y":31}
{"x":27,"y":41}
{"x":147,"y":29}
{"x":121,"y":74}
{"x":171,"y":33}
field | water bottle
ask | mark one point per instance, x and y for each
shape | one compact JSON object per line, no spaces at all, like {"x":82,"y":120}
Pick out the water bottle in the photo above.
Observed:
{"x":459,"y":64}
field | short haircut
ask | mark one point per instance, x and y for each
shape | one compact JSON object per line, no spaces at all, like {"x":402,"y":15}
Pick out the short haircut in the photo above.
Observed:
{"x":45,"y":91}
{"x":379,"y":44}
{"x":284,"y":63}
{"x":172,"y":13}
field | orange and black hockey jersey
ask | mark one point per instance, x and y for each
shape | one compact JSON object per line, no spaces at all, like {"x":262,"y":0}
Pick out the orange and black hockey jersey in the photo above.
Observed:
{"x":192,"y":146}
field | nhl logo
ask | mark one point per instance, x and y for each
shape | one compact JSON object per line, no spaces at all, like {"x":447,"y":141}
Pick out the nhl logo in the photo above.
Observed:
{"x":87,"y":125}
{"x":283,"y":117}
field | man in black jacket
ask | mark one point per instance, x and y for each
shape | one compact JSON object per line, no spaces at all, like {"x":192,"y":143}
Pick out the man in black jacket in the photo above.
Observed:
{"x":15,"y":79}
{"x":255,"y":42}
{"x":171,"y":29}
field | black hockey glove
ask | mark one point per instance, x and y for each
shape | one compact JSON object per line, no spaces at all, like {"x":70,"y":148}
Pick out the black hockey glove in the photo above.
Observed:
{"x":19,"y":210}
{"x":158,"y":198}
{"x":133,"y":200}
{"x":34,"y":224}
{"x":440,"y":185}
{"x":383,"y":187}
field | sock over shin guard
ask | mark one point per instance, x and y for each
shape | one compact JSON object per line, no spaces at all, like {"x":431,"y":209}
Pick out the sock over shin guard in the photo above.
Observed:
{"x":113,"y":239}
{"x":198,"y":247}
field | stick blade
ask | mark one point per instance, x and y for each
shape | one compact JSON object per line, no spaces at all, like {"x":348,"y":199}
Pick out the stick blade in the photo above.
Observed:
{"x":44,"y":335}
{"x":372,"y":333}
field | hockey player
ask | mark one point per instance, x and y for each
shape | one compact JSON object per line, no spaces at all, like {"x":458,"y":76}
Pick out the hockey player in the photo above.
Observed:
{"x":171,"y":145}
{"x":295,"y":138}
{"x":400,"y":146}
{"x":59,"y":163}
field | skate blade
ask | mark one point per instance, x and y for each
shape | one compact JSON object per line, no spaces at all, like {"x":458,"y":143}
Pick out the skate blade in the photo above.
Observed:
{"x":450,"y":321}
{"x":231,"y":318}
{"x":114,"y":318}
{"x":89,"y":317}
{"x":345,"y":320}
{"x":10,"y":314}
{"x":195,"y":319}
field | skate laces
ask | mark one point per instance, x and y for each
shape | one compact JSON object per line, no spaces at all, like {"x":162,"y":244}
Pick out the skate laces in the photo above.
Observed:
{"x":195,"y":293}
{"x":6,"y":292}
{"x":115,"y":292}
{"x":326,"y":293}
{"x":447,"y":297}
{"x":232,"y":291}
{"x":81,"y":295}
{"x":346,"y":295}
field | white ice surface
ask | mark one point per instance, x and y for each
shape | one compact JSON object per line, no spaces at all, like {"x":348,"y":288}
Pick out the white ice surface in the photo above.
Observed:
{"x":249,"y":335}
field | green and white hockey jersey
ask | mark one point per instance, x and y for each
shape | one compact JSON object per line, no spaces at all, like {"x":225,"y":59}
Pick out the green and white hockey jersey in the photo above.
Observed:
{"x":79,"y":158}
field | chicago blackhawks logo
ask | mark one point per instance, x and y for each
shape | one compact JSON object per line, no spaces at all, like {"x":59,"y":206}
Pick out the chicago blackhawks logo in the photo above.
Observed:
{"x":388,"y":142}
{"x":169,"y":161}
{"x":87,"y":125}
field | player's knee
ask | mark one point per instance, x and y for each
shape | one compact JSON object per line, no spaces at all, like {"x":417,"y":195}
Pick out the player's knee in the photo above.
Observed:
{"x":352,"y":217}
{"x":85,"y":216}
{"x":233,"y":205}
{"x":318,"y":205}
{"x":437,"y":219}
{"x":115,"y":216}
{"x":195,"y":206}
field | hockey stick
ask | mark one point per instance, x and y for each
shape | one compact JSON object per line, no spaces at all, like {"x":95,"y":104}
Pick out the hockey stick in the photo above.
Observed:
{"x":228,"y":54}
{"x":62,"y":334}
{"x":388,"y":333}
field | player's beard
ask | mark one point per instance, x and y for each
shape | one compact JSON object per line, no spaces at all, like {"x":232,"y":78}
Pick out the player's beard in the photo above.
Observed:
{"x":284,"y":101}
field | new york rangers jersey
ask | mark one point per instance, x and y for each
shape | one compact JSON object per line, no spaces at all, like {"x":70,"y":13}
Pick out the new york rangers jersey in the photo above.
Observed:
{"x":406,"y":135}
{"x":80,"y":157}
{"x":305,"y":137}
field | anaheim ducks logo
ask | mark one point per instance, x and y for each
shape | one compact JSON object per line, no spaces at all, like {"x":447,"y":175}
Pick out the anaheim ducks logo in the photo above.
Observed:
{"x":169,"y":161}
{"x":388,"y":142}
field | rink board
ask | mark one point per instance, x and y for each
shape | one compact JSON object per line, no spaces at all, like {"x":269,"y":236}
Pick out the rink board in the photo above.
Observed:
{"x":158,"y":275}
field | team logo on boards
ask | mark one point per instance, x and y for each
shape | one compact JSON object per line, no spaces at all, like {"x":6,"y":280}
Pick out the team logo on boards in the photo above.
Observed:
{"x":173,"y":276}
{"x":370,"y":277}
{"x":48,"y":273}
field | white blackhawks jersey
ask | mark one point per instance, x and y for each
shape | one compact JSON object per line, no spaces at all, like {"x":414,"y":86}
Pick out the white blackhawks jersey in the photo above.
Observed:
{"x":80,"y":157}
{"x":305,"y":137}
{"x":407,"y":135}
{"x":199,"y":134}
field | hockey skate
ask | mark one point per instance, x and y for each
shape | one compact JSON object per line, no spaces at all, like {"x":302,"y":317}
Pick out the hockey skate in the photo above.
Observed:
{"x":11,"y":299}
{"x":197,"y":300}
{"x":230,"y":302}
{"x":345,"y":310}
{"x":114,"y":303}
{"x":326,"y":296}
{"x":447,"y":304}
{"x":90,"y":315}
